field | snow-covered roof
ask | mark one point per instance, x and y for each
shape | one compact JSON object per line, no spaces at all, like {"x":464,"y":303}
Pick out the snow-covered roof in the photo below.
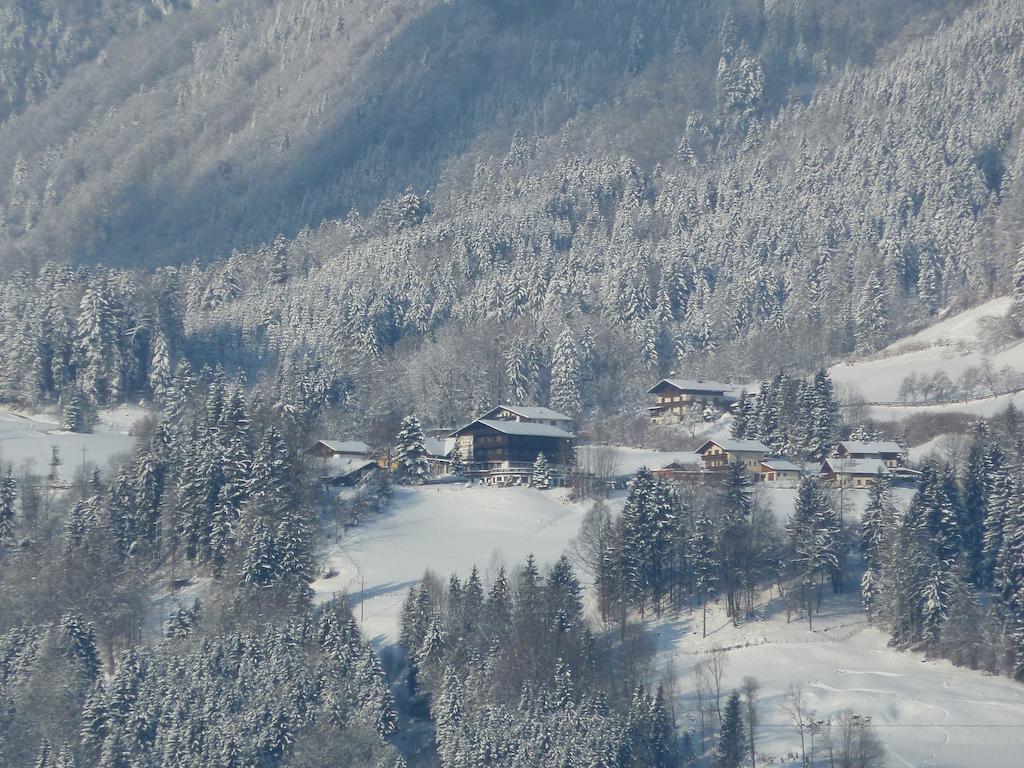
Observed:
{"x":735,"y":446}
{"x":439,"y":446}
{"x":339,"y":466}
{"x":856,"y":466}
{"x":346,"y":446}
{"x":525,"y":428}
{"x":698,"y":385}
{"x":529,"y":412}
{"x":780,"y":465}
{"x":854,"y":446}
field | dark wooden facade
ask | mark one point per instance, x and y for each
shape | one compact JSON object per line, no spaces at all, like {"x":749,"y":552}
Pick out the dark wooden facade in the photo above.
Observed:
{"x":490,"y":445}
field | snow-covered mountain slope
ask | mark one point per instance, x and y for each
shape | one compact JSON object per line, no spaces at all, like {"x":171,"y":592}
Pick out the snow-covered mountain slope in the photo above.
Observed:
{"x":929,"y":712}
{"x":952,"y":345}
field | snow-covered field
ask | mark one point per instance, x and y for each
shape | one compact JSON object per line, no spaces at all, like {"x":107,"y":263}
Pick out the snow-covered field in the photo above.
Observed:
{"x":27,"y":441}
{"x":929,"y":713}
{"x":629,"y":460}
{"x":447,"y":528}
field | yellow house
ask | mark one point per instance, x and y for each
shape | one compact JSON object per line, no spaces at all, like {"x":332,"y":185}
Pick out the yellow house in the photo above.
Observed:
{"x":718,"y":454}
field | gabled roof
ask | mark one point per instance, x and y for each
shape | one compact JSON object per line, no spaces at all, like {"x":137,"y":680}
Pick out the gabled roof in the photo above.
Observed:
{"x":780,"y":465}
{"x":524,"y":428}
{"x":735,"y":446}
{"x":438,"y":446}
{"x":529,"y":412}
{"x":346,"y":446}
{"x":698,"y":385}
{"x":855,"y":466}
{"x":854,"y":446}
{"x":339,"y":466}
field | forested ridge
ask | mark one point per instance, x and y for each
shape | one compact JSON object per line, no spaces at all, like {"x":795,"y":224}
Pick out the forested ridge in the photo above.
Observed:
{"x":272,"y":222}
{"x":760,"y":182}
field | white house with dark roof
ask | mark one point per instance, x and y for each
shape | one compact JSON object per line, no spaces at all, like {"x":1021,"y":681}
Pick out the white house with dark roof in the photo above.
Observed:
{"x":852,"y":473}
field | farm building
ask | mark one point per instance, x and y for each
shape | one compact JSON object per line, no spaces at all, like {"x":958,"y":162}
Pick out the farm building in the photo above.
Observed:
{"x":718,"y":454}
{"x":504,"y":450}
{"x":890,"y":454}
{"x":677,"y":396}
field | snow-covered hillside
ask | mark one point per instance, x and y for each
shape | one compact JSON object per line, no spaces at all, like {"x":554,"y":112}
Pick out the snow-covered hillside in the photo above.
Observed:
{"x":27,"y":442}
{"x":951,"y":345}
{"x":929,"y":712}
{"x":447,"y":528}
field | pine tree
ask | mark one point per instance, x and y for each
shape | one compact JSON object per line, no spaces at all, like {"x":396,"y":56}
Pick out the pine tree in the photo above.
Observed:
{"x":742,"y":413}
{"x":731,"y":748}
{"x":1017,"y":305}
{"x":541,"y":475}
{"x":410,"y":453}
{"x":8,"y":497}
{"x":565,"y":376}
{"x":260,"y":566}
{"x":974,"y":506}
{"x":876,"y":524}
{"x":813,"y":531}
{"x":517,"y":371}
{"x":704,"y":555}
{"x":73,"y":414}
{"x":734,"y":532}
{"x":161,"y":371}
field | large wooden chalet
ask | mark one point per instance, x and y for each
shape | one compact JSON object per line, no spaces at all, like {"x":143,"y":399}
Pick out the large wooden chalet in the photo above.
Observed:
{"x":501,"y":447}
{"x":675,"y":397}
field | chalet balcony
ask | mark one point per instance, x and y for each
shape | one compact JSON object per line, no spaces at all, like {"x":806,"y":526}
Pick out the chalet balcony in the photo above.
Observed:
{"x":517,"y":473}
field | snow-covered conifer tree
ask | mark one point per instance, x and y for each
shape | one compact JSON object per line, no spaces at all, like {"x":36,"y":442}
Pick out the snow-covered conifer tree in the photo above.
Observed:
{"x":565,"y":376}
{"x":541,"y":476}
{"x":411,"y":453}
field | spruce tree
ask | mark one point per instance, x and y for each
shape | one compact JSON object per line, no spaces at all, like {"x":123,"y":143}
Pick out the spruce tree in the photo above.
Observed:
{"x":410,"y":453}
{"x":704,"y":556}
{"x":540,"y":477}
{"x":742,"y":413}
{"x":8,"y":497}
{"x":74,"y":415}
{"x":813,"y":532}
{"x":565,"y":376}
{"x":876,"y":524}
{"x":731,"y":747}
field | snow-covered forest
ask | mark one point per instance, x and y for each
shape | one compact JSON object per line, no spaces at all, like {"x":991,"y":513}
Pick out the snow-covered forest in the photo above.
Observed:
{"x":235,"y":230}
